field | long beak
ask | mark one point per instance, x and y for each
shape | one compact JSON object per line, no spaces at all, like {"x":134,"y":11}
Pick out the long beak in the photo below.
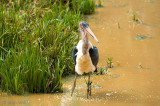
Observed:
{"x":91,"y":34}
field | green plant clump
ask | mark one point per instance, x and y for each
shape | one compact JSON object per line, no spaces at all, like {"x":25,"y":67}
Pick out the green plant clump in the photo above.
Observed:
{"x":84,"y":6}
{"x":109,"y":62}
{"x":133,"y":17}
{"x":36,"y":41}
{"x":99,"y":3}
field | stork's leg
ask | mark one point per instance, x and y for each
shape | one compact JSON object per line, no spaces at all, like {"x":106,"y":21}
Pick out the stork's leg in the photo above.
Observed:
{"x":89,"y":86}
{"x":74,"y":84}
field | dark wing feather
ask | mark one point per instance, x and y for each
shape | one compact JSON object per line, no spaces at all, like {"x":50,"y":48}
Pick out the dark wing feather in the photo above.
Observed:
{"x":74,"y":56}
{"x":94,"y":55}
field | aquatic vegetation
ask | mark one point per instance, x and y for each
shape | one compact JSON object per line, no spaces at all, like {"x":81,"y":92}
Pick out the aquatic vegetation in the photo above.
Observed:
{"x":109,"y":74}
{"x":86,"y":6}
{"x":99,"y":3}
{"x":141,"y":37}
{"x":110,"y":62}
{"x":141,"y":67}
{"x":36,"y":40}
{"x":138,"y":21}
{"x":101,"y":71}
{"x":133,"y":17}
{"x":82,"y":6}
{"x":118,"y":25}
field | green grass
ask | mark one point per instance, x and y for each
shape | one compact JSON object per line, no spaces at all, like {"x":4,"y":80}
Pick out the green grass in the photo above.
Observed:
{"x":133,"y":17}
{"x":36,"y":41}
{"x":99,"y":3}
{"x":84,"y":6}
{"x":110,"y":62}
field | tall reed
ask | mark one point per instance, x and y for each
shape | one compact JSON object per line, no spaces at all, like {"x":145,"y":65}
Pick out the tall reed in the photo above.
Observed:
{"x":84,"y":6}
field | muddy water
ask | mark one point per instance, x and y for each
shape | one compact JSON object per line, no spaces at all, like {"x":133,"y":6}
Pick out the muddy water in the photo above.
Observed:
{"x":135,"y":48}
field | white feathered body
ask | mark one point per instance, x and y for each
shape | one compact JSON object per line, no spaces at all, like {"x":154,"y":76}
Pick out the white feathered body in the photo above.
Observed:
{"x":83,"y":62}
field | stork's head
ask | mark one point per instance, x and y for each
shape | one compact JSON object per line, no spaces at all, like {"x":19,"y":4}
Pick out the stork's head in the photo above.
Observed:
{"x":84,"y":27}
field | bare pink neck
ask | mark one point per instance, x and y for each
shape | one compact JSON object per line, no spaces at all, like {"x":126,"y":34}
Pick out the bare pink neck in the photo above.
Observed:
{"x":85,"y":42}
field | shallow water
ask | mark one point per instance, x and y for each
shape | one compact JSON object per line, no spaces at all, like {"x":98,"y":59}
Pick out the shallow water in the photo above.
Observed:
{"x":134,"y":80}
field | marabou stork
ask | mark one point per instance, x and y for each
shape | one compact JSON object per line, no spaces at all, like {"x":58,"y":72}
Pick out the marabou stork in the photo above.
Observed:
{"x":85,"y":55}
